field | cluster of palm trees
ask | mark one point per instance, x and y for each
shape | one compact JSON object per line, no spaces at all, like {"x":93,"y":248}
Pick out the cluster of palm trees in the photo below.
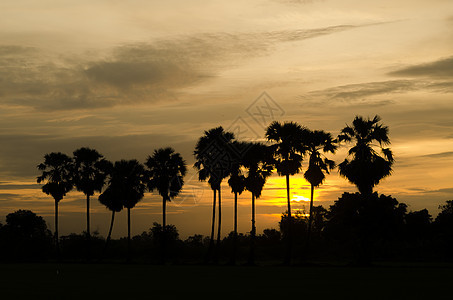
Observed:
{"x":125,"y":181}
{"x":218,"y":155}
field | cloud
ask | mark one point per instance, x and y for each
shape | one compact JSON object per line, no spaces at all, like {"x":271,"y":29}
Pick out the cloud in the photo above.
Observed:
{"x":442,"y":68}
{"x":439,"y":155}
{"x":133,"y":73}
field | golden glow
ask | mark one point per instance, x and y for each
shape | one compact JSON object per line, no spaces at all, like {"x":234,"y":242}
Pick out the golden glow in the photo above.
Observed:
{"x":298,"y":198}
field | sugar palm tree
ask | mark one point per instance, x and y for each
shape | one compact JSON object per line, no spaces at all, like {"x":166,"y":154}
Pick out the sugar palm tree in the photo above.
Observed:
{"x":258,"y":162}
{"x":89,"y":176}
{"x":57,"y":175}
{"x":213,"y":157}
{"x":166,"y":171}
{"x":126,"y":184}
{"x":288,"y":147}
{"x":237,"y":184}
{"x":366,"y":167}
{"x":317,"y":143}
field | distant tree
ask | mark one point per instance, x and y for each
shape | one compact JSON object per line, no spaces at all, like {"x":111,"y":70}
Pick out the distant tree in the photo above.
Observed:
{"x":237,"y":184}
{"x":90,"y":173}
{"x":366,"y":167}
{"x":25,"y":236}
{"x":317,"y":142}
{"x":258,"y":163}
{"x":443,"y":226}
{"x":57,"y":170}
{"x":126,"y":187}
{"x":288,"y":147}
{"x":165,"y":173}
{"x":213,"y":160}
{"x":418,"y":224}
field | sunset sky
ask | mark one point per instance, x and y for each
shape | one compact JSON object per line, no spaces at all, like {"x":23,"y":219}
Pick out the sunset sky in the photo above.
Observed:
{"x":127,"y":77}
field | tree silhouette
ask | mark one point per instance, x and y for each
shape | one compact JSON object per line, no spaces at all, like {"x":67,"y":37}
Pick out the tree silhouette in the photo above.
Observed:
{"x":259,"y":164}
{"x":166,"y":171}
{"x":317,"y":141}
{"x":237,"y":184}
{"x":213,"y":155}
{"x":126,"y":188}
{"x":57,"y":175}
{"x":90,"y":172}
{"x":366,"y":167}
{"x":288,"y":148}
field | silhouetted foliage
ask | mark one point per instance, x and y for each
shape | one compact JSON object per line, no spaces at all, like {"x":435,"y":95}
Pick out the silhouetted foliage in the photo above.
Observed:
{"x":366,"y":168}
{"x":25,"y":237}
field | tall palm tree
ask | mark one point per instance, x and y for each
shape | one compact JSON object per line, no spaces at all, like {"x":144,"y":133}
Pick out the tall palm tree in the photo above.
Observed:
{"x":366,"y":167}
{"x":213,"y":157}
{"x":126,"y":184}
{"x":237,"y":184}
{"x":89,"y":176}
{"x":57,"y":173}
{"x":259,"y":164}
{"x":288,"y":148}
{"x":317,"y":143}
{"x":166,"y":171}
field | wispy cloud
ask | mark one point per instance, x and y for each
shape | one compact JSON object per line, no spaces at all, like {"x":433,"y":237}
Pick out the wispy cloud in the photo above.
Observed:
{"x":442,"y":68}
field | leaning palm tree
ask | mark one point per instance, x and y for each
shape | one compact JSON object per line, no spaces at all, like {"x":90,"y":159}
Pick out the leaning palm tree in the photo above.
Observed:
{"x":288,"y":147}
{"x":126,"y":183}
{"x":213,"y":157}
{"x":366,"y":167}
{"x":317,"y":143}
{"x":57,"y":173}
{"x":89,"y":177}
{"x":166,"y":171}
{"x":258,"y":162}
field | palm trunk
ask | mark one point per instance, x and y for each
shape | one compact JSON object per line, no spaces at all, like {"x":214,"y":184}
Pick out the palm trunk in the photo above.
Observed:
{"x":220,"y":221}
{"x":211,"y":241}
{"x":252,"y":234}
{"x":109,"y":236}
{"x":57,"y":240}
{"x":128,"y":234}
{"x":164,"y":229}
{"x":310,"y":218}
{"x":235,"y":229}
{"x":289,"y":241}
{"x":88,"y":229}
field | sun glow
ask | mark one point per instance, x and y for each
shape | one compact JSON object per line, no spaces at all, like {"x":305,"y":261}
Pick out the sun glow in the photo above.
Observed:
{"x":299,"y":198}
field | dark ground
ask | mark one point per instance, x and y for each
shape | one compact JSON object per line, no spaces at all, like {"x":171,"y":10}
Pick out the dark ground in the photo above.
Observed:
{"x":136,"y":281}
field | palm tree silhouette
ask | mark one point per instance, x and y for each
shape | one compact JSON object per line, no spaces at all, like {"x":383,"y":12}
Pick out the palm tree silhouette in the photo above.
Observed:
{"x":89,"y":177}
{"x":166,"y":171}
{"x":237,"y":184}
{"x":258,"y":162}
{"x":288,"y":148}
{"x":366,"y":167}
{"x":213,"y":155}
{"x":317,"y":141}
{"x":126,"y":186}
{"x":57,"y":173}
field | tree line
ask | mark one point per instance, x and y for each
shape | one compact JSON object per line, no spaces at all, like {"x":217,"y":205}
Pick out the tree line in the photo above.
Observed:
{"x":247,"y":165}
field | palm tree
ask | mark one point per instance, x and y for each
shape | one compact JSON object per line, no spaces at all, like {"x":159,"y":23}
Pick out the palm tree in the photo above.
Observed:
{"x":57,"y":172}
{"x":317,"y":141}
{"x":288,"y":148}
{"x":259,"y":164}
{"x":366,"y":167}
{"x":126,"y":186}
{"x":213,"y":157}
{"x":237,"y":184}
{"x":89,"y":177}
{"x":166,"y":171}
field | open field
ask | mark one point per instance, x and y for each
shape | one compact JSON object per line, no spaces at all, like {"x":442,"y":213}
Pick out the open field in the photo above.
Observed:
{"x":106,"y":281}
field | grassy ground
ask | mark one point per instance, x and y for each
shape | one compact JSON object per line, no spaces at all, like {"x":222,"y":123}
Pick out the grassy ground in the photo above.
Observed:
{"x":120,"y":281}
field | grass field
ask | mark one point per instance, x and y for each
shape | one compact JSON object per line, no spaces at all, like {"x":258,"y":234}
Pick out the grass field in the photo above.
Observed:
{"x":121,"y":281}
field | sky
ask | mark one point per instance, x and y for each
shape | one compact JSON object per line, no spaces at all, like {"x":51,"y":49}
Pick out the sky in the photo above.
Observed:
{"x":128,"y":77}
